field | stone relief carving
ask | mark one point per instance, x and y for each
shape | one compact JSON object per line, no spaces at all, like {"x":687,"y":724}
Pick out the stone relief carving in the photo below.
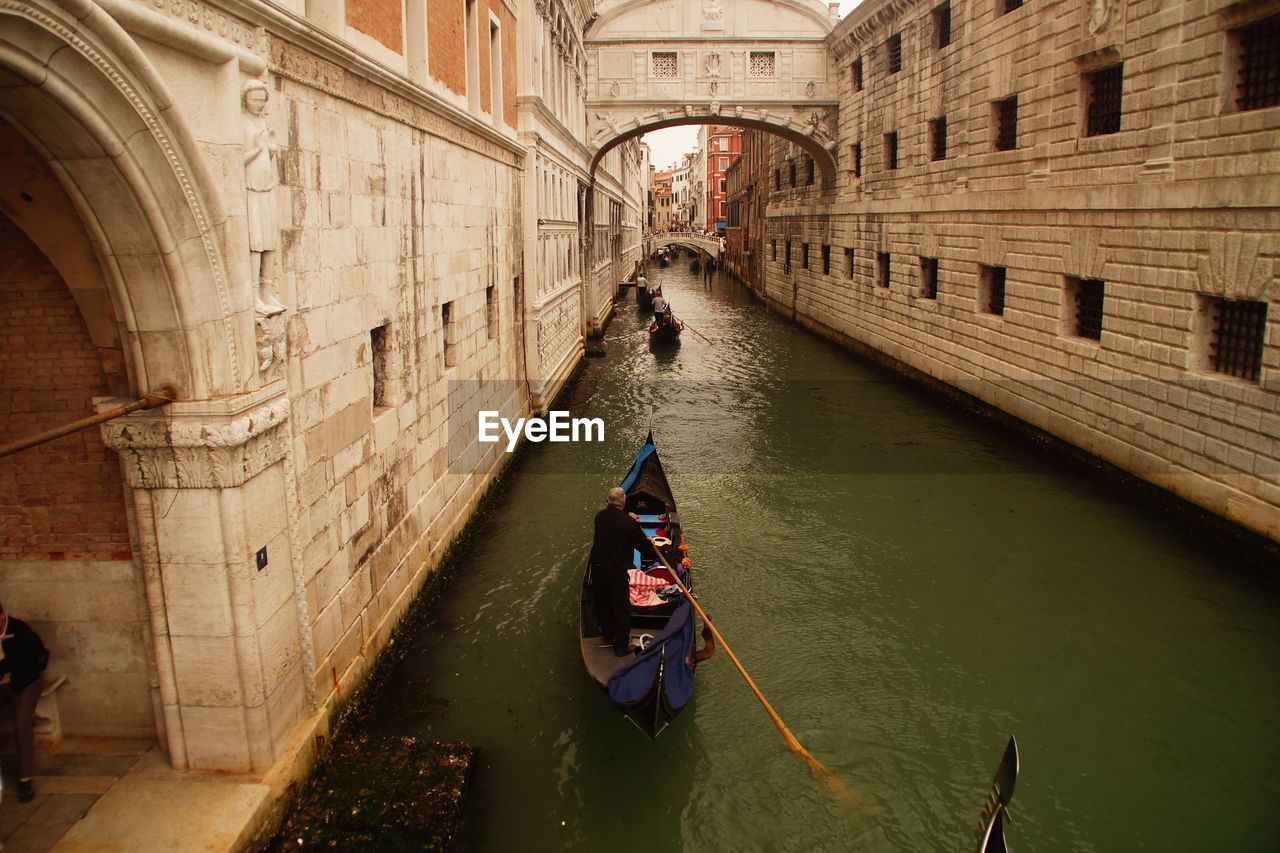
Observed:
{"x":609,"y":122}
{"x":738,"y":110}
{"x":713,"y":88}
{"x":615,"y":89}
{"x":712,"y":12}
{"x":1238,"y":266}
{"x":271,"y":345}
{"x":688,"y":110}
{"x":714,"y":109}
{"x":810,"y":89}
{"x":1100,"y":14}
{"x":712,"y":65}
{"x":260,"y":171}
{"x":816,"y":126}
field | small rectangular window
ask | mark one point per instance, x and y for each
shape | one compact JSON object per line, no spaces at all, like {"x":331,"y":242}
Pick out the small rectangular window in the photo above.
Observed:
{"x":1104,"y":88}
{"x":491,"y":311}
{"x":938,"y":137}
{"x":379,"y":341}
{"x":857,"y":159}
{"x":777,"y":179}
{"x":808,"y":170}
{"x":991,"y":281}
{"x":804,"y":256}
{"x":1006,"y":122}
{"x":893,"y":48}
{"x":826,"y":259}
{"x":791,"y":168}
{"x":1239,"y":331}
{"x":1007,"y":6}
{"x":760,"y":63}
{"x":447,"y":323}
{"x":664,"y":63}
{"x":929,"y":278}
{"x":882,"y":269}
{"x":1258,"y":82}
{"x":942,"y":25}
{"x":1084,"y":300}
{"x":786,"y":263}
{"x":773,"y":250}
{"x":856,"y":70}
{"x":848,"y":262}
{"x":891,"y":150}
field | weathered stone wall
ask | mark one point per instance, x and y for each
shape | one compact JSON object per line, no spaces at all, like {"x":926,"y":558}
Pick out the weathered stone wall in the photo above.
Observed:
{"x":1175,"y":209}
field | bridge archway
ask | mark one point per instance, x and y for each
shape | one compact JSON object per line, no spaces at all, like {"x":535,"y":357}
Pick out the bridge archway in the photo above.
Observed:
{"x":759,"y":64}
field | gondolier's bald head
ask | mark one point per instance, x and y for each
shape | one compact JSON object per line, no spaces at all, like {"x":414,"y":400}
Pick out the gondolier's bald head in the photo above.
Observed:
{"x":617,"y":497}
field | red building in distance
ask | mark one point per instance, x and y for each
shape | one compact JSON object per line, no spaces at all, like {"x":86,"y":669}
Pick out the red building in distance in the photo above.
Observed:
{"x":721,"y":145}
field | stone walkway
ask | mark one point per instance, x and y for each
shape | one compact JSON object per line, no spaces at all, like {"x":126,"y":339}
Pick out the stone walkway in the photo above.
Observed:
{"x":122,"y":795}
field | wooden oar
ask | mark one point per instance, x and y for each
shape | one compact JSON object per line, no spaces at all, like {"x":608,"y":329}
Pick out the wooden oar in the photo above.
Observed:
{"x":692,"y":329}
{"x":834,"y":782}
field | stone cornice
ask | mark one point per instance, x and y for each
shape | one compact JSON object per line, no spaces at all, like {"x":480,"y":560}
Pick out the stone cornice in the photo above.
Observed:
{"x":201,"y":445}
{"x":864,"y":23}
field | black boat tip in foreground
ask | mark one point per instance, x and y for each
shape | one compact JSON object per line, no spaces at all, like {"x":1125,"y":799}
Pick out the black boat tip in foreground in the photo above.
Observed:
{"x":995,"y":813}
{"x":652,"y":686}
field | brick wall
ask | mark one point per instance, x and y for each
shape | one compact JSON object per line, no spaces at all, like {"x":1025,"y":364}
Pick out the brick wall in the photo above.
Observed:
{"x":62,"y":499}
{"x":380,"y":19}
{"x":447,"y":48}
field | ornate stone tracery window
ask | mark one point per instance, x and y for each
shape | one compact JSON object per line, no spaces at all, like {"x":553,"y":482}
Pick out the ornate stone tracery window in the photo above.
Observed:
{"x":761,"y":63}
{"x":664,"y":63}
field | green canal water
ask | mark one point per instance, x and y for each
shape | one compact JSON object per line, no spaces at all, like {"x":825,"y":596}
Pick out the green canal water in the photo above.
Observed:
{"x":907,"y":585}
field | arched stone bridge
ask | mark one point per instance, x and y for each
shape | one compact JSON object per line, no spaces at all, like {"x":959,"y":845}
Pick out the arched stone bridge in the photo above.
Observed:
{"x":708,"y":244}
{"x":760,"y":64}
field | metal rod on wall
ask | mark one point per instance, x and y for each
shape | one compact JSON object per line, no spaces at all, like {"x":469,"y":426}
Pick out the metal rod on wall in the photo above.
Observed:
{"x":151,"y":400}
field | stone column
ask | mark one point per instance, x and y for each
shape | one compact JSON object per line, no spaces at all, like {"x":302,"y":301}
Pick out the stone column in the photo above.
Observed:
{"x":214,"y":524}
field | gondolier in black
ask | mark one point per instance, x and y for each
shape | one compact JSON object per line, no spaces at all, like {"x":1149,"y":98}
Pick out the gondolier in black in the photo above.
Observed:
{"x":617,"y":535}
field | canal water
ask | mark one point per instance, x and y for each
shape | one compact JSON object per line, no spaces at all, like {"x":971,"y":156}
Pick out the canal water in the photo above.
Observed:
{"x":907,"y":585}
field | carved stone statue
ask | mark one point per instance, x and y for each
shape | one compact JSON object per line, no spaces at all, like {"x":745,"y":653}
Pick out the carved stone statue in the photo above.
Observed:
{"x":260,"y":184}
{"x":610,"y":122}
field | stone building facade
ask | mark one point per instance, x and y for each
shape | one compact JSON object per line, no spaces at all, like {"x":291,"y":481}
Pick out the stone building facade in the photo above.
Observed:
{"x":1067,"y":210}
{"x":308,"y":223}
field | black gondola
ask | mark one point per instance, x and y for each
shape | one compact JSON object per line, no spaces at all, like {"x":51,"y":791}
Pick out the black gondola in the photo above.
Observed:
{"x":996,"y":810}
{"x":667,"y":332}
{"x":644,"y":295}
{"x":653,"y":685}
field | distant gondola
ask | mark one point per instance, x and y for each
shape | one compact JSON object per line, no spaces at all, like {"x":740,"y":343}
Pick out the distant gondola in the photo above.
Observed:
{"x":695,"y":266}
{"x":644,"y":296}
{"x":652,"y":686}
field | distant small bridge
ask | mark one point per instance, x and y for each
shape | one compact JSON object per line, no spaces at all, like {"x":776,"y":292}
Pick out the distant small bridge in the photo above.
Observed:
{"x":706,"y":244}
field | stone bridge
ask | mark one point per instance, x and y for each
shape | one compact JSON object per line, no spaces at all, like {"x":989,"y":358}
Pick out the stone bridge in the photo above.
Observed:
{"x":759,"y":64}
{"x":704,"y":243}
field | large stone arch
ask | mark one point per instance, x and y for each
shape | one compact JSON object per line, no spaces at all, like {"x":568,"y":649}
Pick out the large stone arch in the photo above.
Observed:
{"x":87,"y":99}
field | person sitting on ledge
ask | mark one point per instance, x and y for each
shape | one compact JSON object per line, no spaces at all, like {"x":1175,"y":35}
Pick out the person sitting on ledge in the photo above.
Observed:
{"x":23,"y":658}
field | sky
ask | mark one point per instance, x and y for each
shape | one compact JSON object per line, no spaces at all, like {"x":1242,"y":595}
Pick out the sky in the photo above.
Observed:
{"x":671,"y":143}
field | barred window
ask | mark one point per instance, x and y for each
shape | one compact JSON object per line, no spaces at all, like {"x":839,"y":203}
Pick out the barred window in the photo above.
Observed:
{"x":891,"y":150}
{"x":791,"y":168}
{"x":808,"y":170}
{"x":1086,"y":303}
{"x":894,"y":49}
{"x":1006,"y":115}
{"x":938,"y":136}
{"x":848,"y":260}
{"x":942,"y":24}
{"x":1239,"y":329}
{"x":929,"y":278}
{"x":1104,"y":100}
{"x":773,"y":250}
{"x":760,"y":63}
{"x":664,"y":63}
{"x":991,"y":281}
{"x":856,"y":70}
{"x":882,"y":269}
{"x":777,"y":179}
{"x":826,"y":259}
{"x":1259,"y":80}
{"x":1009,"y":5}
{"x":804,"y":256}
{"x":786,"y":263}
{"x":857,"y":159}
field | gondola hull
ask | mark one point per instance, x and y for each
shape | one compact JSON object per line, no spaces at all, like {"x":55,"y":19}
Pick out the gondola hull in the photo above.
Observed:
{"x":652,"y":686}
{"x":665,"y":334}
{"x":644,"y":297}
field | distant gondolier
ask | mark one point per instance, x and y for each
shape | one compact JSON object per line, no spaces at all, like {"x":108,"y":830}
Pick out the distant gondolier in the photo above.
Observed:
{"x":617,"y":536}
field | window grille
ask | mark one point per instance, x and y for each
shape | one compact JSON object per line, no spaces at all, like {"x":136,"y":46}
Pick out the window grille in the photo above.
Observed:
{"x":891,"y":150}
{"x":808,"y":170}
{"x":1239,"y":328}
{"x":773,"y":250}
{"x":664,"y":63}
{"x":942,"y":24}
{"x":379,"y":340}
{"x":826,"y":259}
{"x":491,"y":311}
{"x":791,"y":167}
{"x":1010,"y":5}
{"x":993,"y":279}
{"x":894,"y":48}
{"x":882,"y":265}
{"x":857,"y":74}
{"x":848,"y":261}
{"x":450,"y":347}
{"x":1104,"y":100}
{"x":857,"y":159}
{"x":804,"y":256}
{"x":760,"y":63}
{"x":1088,"y":305}
{"x":777,"y":179}
{"x":786,"y":264}
{"x":929,"y":278}
{"x":1259,"y":82}
{"x":1007,"y":124}
{"x":938,"y":130}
